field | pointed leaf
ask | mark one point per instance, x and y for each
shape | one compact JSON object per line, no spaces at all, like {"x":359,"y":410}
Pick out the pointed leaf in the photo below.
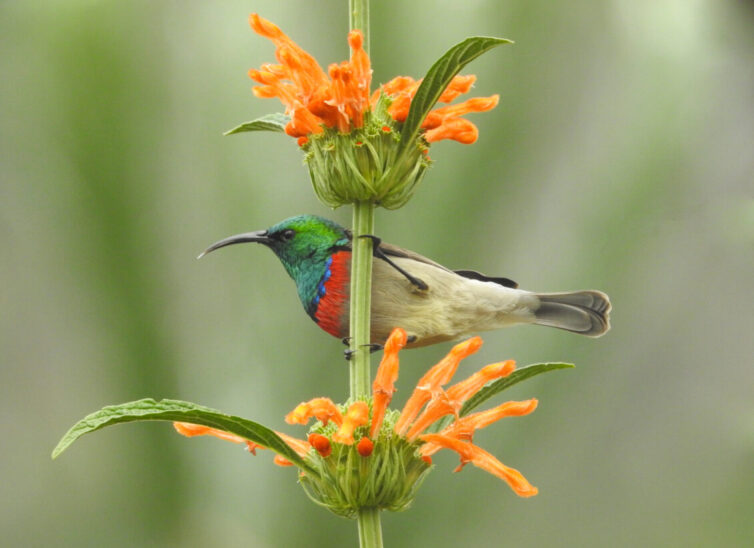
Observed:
{"x":516,"y":377}
{"x":270,"y":122}
{"x":438,"y":78}
{"x":176,"y":410}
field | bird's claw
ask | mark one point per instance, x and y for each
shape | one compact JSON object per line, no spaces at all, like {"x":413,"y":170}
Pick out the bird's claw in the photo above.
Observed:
{"x":373,"y":347}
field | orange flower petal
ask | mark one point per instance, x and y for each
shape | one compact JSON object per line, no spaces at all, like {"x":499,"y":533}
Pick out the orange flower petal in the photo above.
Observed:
{"x":357,"y":415}
{"x":321,"y":444}
{"x":484,"y":460}
{"x":190,"y":430}
{"x":458,"y":86}
{"x":308,"y":74}
{"x":439,"y":406}
{"x":384,"y":382}
{"x":323,"y":409}
{"x":475,"y":104}
{"x":463,"y":390}
{"x":450,"y":402}
{"x":299,"y":446}
{"x":437,"y":376}
{"x":281,"y":461}
{"x":457,"y":129}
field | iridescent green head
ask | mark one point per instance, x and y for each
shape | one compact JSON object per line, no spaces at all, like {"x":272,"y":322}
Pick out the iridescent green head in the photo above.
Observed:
{"x":303,"y":244}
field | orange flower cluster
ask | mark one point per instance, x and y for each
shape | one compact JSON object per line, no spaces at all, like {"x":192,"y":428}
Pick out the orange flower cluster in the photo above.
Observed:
{"x":340,"y":98}
{"x":428,"y":403}
{"x":444,"y":122}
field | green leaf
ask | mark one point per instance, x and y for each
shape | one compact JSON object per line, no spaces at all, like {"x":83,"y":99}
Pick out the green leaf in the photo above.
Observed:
{"x":270,"y":122}
{"x":495,"y":387}
{"x":438,"y":78}
{"x":176,"y":410}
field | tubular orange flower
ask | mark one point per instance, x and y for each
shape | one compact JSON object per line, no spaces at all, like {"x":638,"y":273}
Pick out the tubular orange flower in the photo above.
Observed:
{"x":463,"y":428}
{"x":321,"y":444}
{"x":444,"y":403}
{"x":457,"y":436}
{"x":353,"y":137}
{"x":340,"y":101}
{"x":390,"y":452}
{"x":433,"y":379}
{"x":190,"y":430}
{"x":384,"y":382}
{"x":357,"y":415}
{"x":323,"y":409}
{"x":481,"y":458}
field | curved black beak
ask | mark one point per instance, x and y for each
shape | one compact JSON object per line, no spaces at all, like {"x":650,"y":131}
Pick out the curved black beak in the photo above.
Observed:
{"x":260,"y":237}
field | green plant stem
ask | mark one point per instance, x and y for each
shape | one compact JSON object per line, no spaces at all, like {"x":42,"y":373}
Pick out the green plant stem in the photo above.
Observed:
{"x":361,"y":298}
{"x":358,"y":18}
{"x":370,"y":530}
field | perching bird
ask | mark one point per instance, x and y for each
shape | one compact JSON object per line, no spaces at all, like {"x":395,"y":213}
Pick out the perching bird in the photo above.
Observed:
{"x":432,"y":303}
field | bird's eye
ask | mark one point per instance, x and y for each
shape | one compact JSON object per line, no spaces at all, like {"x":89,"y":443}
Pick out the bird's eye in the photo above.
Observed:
{"x":287,"y":234}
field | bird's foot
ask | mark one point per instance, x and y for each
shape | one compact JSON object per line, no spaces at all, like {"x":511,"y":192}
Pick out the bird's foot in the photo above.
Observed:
{"x":346,"y":341}
{"x":374,"y":347}
{"x":377,"y":252}
{"x":349,"y":352}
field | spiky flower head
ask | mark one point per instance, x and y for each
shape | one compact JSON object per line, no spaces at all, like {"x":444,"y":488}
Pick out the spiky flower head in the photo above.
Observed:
{"x":364,"y":455}
{"x":352,"y":137}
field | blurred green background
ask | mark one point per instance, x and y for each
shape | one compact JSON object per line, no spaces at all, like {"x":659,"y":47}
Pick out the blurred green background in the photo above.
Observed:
{"x":619,"y":158}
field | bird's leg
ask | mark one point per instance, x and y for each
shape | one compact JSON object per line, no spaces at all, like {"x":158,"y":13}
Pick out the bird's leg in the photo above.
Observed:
{"x":348,"y":354}
{"x":374,"y":347}
{"x":346,"y":341}
{"x":377,"y":252}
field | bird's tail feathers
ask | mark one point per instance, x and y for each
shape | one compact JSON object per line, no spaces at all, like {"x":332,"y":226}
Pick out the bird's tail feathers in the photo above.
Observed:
{"x":583,"y":312}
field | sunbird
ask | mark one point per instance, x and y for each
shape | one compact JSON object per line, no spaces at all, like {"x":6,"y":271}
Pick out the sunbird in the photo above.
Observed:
{"x":431,"y":302}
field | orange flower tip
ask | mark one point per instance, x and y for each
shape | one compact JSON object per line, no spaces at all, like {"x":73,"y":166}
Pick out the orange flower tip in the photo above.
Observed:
{"x":480,"y":104}
{"x":527,"y":492}
{"x":356,"y":39}
{"x":189,"y":430}
{"x":301,"y":141}
{"x":359,"y":143}
{"x":398,"y":336}
{"x":365,"y":447}
{"x":321,"y":444}
{"x":264,"y":27}
{"x":467,"y":347}
{"x":427,"y":459}
{"x":299,"y":415}
{"x":386,"y":129}
{"x":251,"y":447}
{"x":497,"y":370}
{"x":281,"y":461}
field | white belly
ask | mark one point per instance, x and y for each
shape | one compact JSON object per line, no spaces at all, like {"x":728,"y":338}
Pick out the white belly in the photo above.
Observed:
{"x":453,"y":307}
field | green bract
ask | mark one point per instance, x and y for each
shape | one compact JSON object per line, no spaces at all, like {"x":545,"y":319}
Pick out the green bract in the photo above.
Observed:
{"x":368,"y":164}
{"x":346,"y":481}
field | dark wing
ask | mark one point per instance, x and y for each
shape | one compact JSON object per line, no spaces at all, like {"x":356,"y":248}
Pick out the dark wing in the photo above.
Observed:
{"x":473,"y":275}
{"x":395,"y":251}
{"x":390,"y":250}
